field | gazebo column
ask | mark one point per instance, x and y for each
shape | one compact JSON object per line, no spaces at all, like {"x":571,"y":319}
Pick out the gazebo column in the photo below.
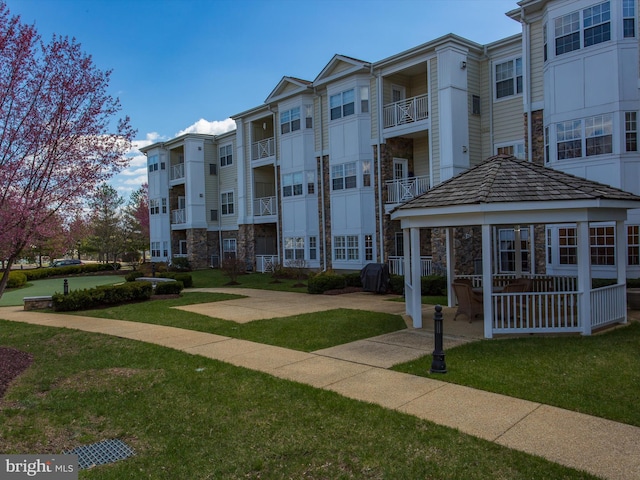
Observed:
{"x":621,"y":258}
{"x":416,"y":301}
{"x":487,"y":281}
{"x":451,"y":270}
{"x":584,"y":276}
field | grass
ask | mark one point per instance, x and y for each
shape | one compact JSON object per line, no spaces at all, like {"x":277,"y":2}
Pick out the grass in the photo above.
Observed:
{"x":307,"y":332}
{"x":598,"y":375}
{"x":215,"y":278}
{"x":49,"y":286}
{"x":195,"y":418}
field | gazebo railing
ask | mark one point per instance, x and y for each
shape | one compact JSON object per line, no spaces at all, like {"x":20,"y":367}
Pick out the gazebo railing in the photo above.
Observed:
{"x":541,"y":283}
{"x":536,"y":312}
{"x":608,"y":305}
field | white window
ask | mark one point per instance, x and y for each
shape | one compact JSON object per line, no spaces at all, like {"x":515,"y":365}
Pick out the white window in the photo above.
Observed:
{"x":598,"y":134}
{"x":547,"y":152}
{"x":368,"y":248}
{"x":165,"y":249}
{"x":509,"y":78}
{"x":633,"y":245}
{"x":290,"y":120}
{"x":182,"y":247}
{"x":507,"y":246}
{"x":597,"y":25}
{"x":364,"y":99}
{"x":154,"y":206}
{"x":569,"y":138}
{"x":596,"y":28}
{"x":631,"y":131}
{"x":294,"y":248}
{"x":229,"y":247}
{"x":544,"y":42}
{"x":313,"y":248}
{"x":292,"y":184}
{"x":568,"y":246}
{"x":366,"y":173}
{"x":342,"y":104}
{"x":345,"y":248}
{"x":311,"y":183}
{"x":629,"y":18}
{"x":603,"y":245}
{"x":308,"y":116}
{"x":226,"y":203}
{"x":567,"y":30}
{"x":343,"y":176}
{"x":152,"y":162}
{"x":226,"y":155}
{"x":515,"y":149}
{"x":164,"y":205}
{"x":155,"y":249}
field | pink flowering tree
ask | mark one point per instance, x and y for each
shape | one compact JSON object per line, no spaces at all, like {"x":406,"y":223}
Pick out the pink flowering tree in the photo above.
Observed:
{"x":57,"y":142}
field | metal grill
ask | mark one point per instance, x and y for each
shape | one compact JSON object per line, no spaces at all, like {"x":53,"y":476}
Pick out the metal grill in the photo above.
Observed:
{"x":101,"y":453}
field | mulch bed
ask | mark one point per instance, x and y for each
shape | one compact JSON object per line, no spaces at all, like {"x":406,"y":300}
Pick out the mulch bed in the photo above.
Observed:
{"x":12,"y":363}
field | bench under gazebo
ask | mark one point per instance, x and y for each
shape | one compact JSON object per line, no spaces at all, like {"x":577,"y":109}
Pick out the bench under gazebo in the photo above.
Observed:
{"x":505,"y":191}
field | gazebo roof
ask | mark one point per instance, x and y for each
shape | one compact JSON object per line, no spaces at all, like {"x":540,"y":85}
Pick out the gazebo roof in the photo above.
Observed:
{"x":504,"y":190}
{"x":504,"y":178}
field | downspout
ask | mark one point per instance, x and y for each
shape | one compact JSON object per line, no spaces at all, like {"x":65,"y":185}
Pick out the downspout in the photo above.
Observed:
{"x":277,"y":185}
{"x":526,"y":64}
{"x":379,"y":160}
{"x":486,"y":55}
{"x":321,"y":181}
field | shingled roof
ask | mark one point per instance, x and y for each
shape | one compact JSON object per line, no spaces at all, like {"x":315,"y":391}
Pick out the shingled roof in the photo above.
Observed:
{"x":504,"y":178}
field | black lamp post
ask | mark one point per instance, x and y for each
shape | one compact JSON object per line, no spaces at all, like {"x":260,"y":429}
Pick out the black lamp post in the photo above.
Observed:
{"x":438,"y":364}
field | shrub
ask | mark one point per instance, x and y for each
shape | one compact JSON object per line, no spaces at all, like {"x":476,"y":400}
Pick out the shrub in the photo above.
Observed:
{"x":433,"y":285}
{"x":185,"y":278}
{"x":232,"y":268}
{"x":168,"y":288}
{"x":324,"y":281}
{"x":101,"y":296}
{"x":396,"y":284}
{"x":131,"y":277}
{"x":352,"y":279}
{"x":38,"y":273}
{"x":180,"y":264}
{"x":16,"y":280}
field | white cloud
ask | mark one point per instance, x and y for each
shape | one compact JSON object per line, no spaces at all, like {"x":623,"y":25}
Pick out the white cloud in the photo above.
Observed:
{"x":215,"y":127}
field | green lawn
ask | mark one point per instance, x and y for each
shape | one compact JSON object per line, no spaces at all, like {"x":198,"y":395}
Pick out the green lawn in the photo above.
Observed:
{"x":598,"y":374}
{"x":215,"y":278}
{"x":307,"y":332}
{"x":49,"y":286}
{"x":189,"y":417}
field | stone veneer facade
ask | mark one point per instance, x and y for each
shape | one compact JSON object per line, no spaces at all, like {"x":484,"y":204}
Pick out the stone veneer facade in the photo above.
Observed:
{"x":537,"y":134}
{"x":324,"y":244}
{"x":197,"y":248}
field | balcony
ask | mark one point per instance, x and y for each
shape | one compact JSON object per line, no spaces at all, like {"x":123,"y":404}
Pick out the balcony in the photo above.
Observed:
{"x":399,"y":191}
{"x":409,"y":110}
{"x":177,"y":171}
{"x":396,"y":265}
{"x":263,"y":149}
{"x":178,"y":216}
{"x":264,"y":206}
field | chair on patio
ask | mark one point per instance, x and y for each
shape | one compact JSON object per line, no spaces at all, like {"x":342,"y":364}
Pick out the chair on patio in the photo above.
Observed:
{"x":469,"y":303}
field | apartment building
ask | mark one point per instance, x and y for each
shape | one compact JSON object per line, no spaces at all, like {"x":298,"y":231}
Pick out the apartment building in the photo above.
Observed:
{"x":311,"y":175}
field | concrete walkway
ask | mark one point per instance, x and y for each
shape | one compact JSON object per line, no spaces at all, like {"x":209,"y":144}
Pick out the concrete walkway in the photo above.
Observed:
{"x":359,"y":370}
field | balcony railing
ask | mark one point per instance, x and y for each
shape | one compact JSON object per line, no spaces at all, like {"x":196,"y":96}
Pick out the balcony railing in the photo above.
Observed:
{"x":399,"y":191}
{"x":178,"y":216}
{"x":264,"y":206}
{"x":266,"y":263}
{"x":177,"y":171}
{"x":263,"y":149}
{"x":405,"y":111}
{"x":396,"y":265}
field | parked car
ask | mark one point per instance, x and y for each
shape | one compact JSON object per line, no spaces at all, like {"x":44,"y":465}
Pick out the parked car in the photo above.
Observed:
{"x":65,"y":262}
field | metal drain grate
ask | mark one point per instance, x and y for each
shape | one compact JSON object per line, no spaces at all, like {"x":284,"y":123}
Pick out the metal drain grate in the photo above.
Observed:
{"x":101,"y":453}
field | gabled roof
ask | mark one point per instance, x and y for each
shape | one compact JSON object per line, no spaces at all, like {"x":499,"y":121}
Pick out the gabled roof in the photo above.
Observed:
{"x":503,"y":178}
{"x":287,"y":87}
{"x":340,"y":66}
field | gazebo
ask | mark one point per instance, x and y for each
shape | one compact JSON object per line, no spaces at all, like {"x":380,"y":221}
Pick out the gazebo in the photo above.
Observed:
{"x":506,"y":191}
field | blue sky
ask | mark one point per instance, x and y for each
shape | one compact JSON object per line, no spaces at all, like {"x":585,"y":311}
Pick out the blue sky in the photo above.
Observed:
{"x":187,"y":65}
